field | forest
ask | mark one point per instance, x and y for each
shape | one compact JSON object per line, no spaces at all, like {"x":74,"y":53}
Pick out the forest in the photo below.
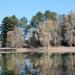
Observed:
{"x":45,"y":29}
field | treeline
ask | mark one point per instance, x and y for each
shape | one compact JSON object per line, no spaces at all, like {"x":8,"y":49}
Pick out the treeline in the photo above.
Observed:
{"x":46,"y":29}
{"x":53,"y":29}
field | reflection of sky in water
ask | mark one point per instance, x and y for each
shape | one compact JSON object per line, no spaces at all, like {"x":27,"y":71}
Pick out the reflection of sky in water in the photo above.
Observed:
{"x":0,"y":64}
{"x":27,"y":62}
{"x":0,"y":69}
{"x":27,"y":67}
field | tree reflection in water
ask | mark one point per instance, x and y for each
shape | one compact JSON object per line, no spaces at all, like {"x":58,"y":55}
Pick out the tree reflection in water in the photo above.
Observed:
{"x":29,"y":68}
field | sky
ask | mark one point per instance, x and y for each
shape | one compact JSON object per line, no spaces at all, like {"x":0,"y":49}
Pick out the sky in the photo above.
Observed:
{"x":28,"y":8}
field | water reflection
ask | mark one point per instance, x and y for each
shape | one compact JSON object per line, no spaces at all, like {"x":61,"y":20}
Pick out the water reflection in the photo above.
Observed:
{"x":39,"y":64}
{"x":0,"y":69}
{"x":29,"y":68}
{"x":26,"y":67}
{"x":0,"y":65}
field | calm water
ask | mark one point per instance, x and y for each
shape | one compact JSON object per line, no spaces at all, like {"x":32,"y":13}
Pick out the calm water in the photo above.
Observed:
{"x":39,"y":64}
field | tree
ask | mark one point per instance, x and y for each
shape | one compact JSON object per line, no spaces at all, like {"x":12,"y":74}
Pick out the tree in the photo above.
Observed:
{"x":23,"y":22}
{"x":24,"y":26}
{"x":50,"y":15}
{"x":42,"y":21}
{"x":48,"y":34}
{"x":8,"y":24}
{"x":69,"y":29}
{"x":39,"y":17}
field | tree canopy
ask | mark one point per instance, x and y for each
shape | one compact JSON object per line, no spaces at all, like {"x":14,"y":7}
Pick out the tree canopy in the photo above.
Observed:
{"x":41,"y":17}
{"x":61,"y":25}
{"x":8,"y":24}
{"x":23,"y":22}
{"x":50,"y":15}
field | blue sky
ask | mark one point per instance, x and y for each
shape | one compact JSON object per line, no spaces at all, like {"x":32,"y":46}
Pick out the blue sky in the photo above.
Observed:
{"x":28,"y":8}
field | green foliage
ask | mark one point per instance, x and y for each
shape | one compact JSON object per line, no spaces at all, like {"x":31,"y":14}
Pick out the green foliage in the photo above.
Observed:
{"x":0,"y":37}
{"x":23,"y":22}
{"x":39,"y":17}
{"x":9,"y":23}
{"x":50,"y":15}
